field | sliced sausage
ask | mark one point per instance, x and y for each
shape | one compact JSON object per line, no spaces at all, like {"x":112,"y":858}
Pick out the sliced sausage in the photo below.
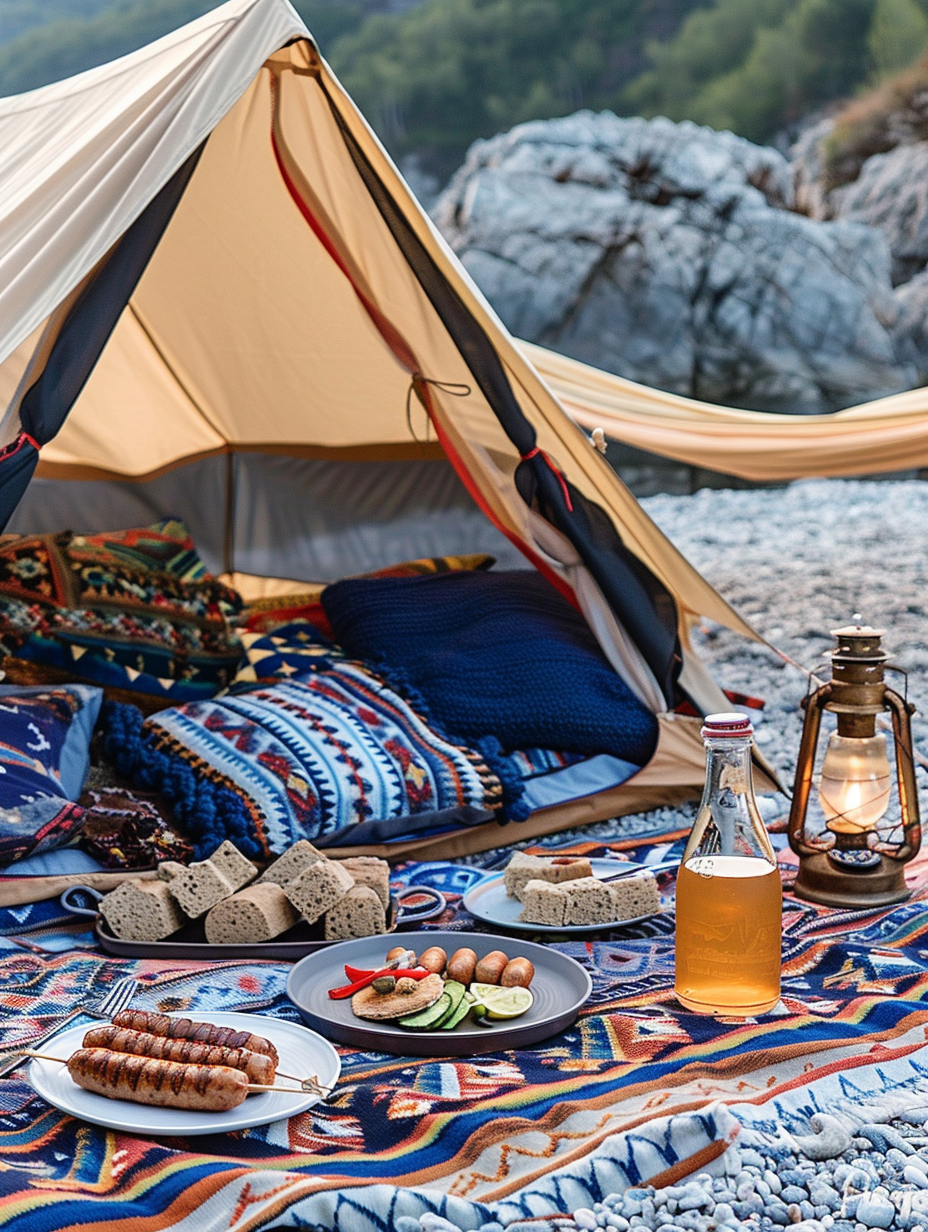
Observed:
{"x":164,"y":1084}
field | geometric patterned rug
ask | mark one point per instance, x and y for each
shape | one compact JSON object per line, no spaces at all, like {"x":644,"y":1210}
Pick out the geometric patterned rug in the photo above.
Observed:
{"x":501,"y":1136}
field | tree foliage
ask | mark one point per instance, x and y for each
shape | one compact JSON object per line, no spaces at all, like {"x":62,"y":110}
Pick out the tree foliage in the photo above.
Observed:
{"x":777,"y":60}
{"x":433,"y":75}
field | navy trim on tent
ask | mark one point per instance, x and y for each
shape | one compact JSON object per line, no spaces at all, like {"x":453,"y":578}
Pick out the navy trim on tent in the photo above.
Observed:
{"x":643,"y":605}
{"x":93,"y":317}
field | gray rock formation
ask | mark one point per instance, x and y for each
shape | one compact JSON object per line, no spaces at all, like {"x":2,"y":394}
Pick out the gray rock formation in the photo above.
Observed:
{"x":672,"y":254}
{"x":891,"y":194}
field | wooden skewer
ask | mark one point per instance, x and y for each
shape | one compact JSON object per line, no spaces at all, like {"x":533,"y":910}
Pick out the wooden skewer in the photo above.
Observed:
{"x":252,"y":1086}
{"x":308,"y":1084}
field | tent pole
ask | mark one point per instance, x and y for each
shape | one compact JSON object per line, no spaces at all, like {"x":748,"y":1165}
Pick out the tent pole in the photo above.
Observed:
{"x":228,"y":537}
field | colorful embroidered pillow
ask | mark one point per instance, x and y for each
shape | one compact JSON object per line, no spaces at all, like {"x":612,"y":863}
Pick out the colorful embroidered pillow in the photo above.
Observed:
{"x":292,"y":650}
{"x":264,"y":615}
{"x":297,"y":759}
{"x":44,"y":758}
{"x":131,"y":611}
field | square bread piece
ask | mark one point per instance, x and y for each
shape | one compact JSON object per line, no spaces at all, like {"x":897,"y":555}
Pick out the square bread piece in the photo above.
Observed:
{"x":141,"y":911}
{"x":555,"y":869}
{"x":199,"y":887}
{"x":634,"y":896}
{"x":301,"y":855}
{"x":236,"y":868}
{"x":543,"y":903}
{"x":318,"y":888}
{"x":589,"y":901}
{"x":369,"y":871}
{"x":359,"y":914}
{"x":259,"y":913}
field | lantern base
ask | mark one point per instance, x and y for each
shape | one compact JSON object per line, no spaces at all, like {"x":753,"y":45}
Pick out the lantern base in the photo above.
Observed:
{"x":820,"y":882}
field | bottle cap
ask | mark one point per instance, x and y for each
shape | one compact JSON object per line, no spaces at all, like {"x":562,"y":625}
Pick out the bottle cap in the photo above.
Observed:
{"x":722,"y":725}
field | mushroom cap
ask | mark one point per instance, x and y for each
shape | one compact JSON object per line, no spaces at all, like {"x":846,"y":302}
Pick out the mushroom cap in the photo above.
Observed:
{"x":377,"y":1005}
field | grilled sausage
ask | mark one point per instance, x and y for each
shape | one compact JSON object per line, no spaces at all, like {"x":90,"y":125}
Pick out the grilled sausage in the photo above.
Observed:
{"x":491,"y":967}
{"x":203,"y":1032}
{"x":165,"y":1084}
{"x":433,"y":959}
{"x":257,"y":1066}
{"x":518,"y":973}
{"x":461,"y":966}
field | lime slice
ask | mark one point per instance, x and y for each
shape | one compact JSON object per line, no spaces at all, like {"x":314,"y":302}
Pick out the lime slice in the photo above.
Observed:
{"x":502,"y":1002}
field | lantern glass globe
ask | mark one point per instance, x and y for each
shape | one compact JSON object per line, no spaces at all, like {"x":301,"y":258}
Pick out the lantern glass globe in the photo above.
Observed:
{"x":856,"y":783}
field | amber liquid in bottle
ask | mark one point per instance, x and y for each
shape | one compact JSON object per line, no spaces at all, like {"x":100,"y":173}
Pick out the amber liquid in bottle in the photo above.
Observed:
{"x":729,"y":897}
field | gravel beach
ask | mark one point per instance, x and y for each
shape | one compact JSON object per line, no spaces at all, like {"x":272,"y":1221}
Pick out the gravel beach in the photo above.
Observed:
{"x":797,"y":562}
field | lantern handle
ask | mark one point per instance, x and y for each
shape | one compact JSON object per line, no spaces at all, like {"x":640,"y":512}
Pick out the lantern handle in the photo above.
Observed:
{"x":905,"y":772}
{"x":813,"y":704}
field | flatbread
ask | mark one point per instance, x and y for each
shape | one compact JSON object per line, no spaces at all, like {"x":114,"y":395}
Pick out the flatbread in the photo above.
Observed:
{"x":368,"y":1003}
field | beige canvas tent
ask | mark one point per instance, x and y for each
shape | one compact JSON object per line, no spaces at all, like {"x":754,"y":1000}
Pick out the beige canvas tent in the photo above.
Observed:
{"x":888,"y":434}
{"x":219,"y":299}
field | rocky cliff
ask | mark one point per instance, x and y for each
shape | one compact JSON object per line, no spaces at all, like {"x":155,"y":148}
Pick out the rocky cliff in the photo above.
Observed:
{"x":681,"y":257}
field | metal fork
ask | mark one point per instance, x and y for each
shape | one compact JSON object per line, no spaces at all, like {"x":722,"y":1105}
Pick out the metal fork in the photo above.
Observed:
{"x":116,"y":999}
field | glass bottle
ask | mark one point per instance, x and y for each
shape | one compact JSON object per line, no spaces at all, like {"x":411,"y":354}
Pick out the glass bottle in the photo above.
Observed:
{"x":729,"y":897}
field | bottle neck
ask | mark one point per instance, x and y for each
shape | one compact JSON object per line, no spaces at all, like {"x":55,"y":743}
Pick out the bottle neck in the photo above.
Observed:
{"x":729,"y":821}
{"x":728,"y":768}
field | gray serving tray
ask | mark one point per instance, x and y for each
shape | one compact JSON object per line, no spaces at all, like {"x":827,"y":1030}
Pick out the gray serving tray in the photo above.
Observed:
{"x":190,"y":941}
{"x":560,"y":987}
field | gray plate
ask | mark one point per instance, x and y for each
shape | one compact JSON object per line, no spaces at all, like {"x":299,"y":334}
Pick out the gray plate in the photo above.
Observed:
{"x":560,"y":987}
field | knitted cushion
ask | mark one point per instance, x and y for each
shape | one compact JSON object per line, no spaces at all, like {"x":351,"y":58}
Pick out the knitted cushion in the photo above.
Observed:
{"x":298,"y":759}
{"x":494,"y":654}
{"x":265,"y":615}
{"x":132,"y":610}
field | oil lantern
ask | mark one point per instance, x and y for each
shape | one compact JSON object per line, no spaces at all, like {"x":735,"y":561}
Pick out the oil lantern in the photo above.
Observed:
{"x":850,"y":865}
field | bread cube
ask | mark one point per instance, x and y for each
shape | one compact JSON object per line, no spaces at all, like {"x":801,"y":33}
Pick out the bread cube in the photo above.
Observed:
{"x":543,"y":903}
{"x":199,"y":887}
{"x":141,"y":911}
{"x":359,"y":914}
{"x":258,"y":913}
{"x":369,"y":871}
{"x":523,"y":868}
{"x":289,"y":865}
{"x":318,"y":888}
{"x":635,"y":895}
{"x":236,"y":868}
{"x":589,"y":901}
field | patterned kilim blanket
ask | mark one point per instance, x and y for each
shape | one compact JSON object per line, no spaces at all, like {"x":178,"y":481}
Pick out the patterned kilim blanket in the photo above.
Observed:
{"x":627,"y":1093}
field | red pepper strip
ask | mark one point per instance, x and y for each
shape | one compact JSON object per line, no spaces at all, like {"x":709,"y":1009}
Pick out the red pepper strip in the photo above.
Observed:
{"x":339,"y":994}
{"x":357,"y":973}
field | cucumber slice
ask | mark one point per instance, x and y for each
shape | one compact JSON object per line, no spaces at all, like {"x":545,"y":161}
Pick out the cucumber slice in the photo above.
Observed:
{"x":456,"y":992}
{"x":428,"y":1018}
{"x":447,"y":1024}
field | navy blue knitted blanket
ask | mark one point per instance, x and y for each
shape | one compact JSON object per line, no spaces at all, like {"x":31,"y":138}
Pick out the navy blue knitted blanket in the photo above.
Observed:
{"x":494,"y":655}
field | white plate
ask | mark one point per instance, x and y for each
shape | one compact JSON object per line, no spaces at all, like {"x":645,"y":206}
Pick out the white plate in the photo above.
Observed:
{"x":488,"y":901}
{"x":302,"y":1052}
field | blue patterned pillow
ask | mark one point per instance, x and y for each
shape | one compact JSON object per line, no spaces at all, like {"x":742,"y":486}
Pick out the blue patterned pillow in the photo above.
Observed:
{"x":44,"y":758}
{"x":292,"y":650}
{"x":306,"y":758}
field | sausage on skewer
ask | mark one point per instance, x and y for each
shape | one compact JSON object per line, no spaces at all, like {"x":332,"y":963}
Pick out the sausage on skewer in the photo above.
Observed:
{"x":165,"y":1084}
{"x":257,"y":1066}
{"x":202,"y":1032}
